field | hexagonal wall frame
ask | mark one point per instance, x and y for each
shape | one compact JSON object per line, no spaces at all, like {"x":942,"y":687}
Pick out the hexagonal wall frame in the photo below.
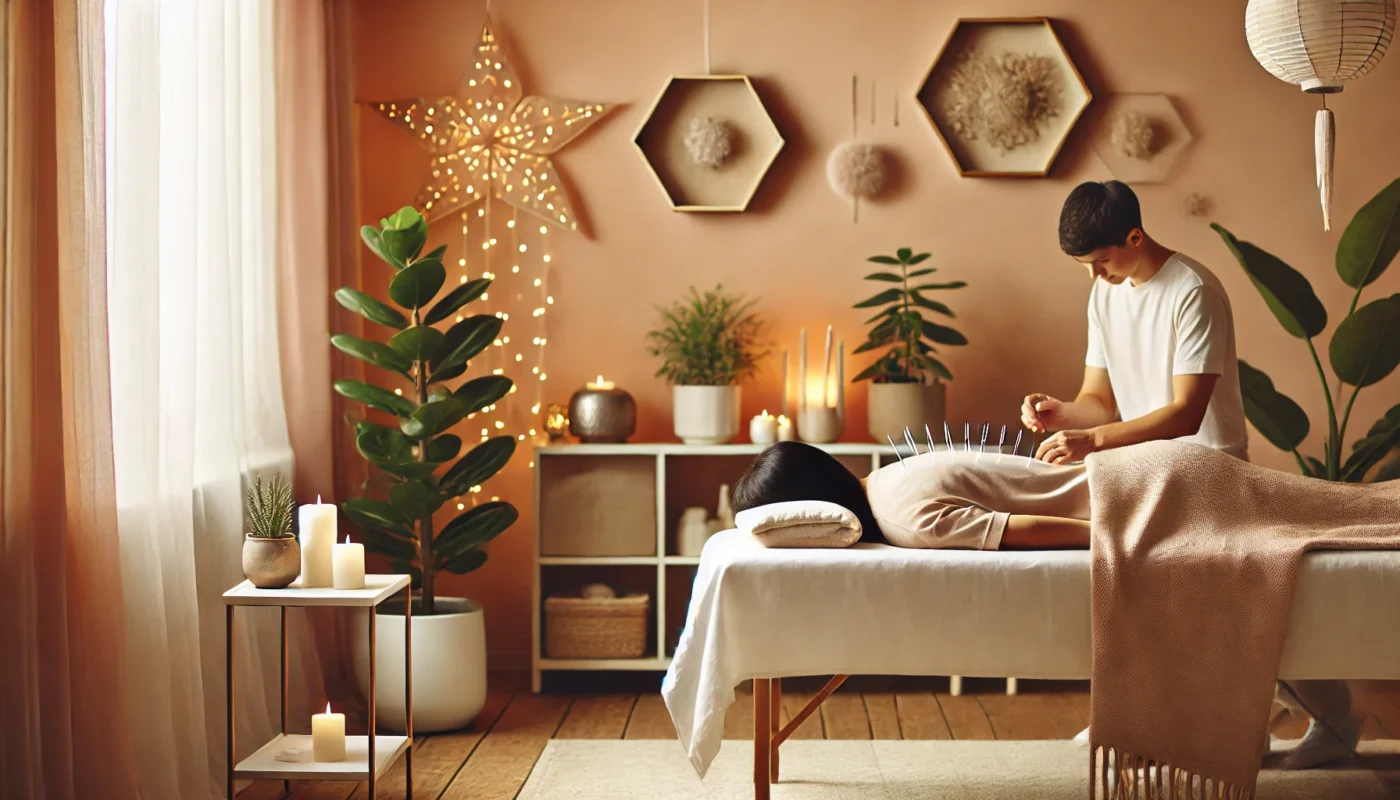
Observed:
{"x":1169,"y":133}
{"x":660,"y":140}
{"x":1022,"y":35}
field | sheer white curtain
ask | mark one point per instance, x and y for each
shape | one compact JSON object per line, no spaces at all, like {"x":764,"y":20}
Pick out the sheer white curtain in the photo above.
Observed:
{"x":196,"y":390}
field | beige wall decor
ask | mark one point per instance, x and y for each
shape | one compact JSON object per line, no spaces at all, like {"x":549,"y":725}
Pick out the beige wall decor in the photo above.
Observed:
{"x":1140,"y":137}
{"x":696,"y":168}
{"x":1002,"y":95}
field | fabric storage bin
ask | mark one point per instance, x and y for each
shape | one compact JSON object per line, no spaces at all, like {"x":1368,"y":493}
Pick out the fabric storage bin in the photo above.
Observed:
{"x":596,"y":628}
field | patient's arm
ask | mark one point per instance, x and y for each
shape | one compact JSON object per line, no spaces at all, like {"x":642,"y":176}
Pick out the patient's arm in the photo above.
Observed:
{"x":1032,"y":532}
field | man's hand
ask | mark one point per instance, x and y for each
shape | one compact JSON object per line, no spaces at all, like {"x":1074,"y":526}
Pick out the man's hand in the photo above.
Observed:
{"x":1067,"y":446}
{"x":1041,"y":412}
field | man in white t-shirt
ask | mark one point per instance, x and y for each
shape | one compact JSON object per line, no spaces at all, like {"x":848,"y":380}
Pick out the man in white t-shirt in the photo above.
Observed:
{"x":1161,"y":365}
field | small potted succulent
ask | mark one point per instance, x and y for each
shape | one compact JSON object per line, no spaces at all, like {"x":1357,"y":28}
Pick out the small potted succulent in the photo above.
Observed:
{"x":271,"y":554}
{"x":906,"y":381}
{"x":707,"y":343}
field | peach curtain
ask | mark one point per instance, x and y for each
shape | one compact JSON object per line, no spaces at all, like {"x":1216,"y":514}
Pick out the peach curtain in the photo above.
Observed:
{"x":63,"y":687}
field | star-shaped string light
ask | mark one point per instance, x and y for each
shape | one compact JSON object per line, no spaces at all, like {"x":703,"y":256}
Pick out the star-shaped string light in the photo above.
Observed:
{"x":489,"y":138}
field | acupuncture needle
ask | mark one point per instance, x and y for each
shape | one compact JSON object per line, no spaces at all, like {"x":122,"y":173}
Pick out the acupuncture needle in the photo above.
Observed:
{"x":1016,"y":447}
{"x":967,"y":436}
{"x":1032,"y":453}
{"x":1001,"y":441}
{"x":982,"y":445}
{"x":928,"y":434}
{"x":948,"y":437}
{"x":896,"y":450}
{"x":909,"y":440}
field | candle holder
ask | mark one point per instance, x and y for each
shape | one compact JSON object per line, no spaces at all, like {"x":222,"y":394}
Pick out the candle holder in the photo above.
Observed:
{"x":821,"y":415}
{"x":601,"y":412}
{"x":556,"y":422}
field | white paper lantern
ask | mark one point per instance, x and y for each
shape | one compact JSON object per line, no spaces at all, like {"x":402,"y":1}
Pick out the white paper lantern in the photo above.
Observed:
{"x":1320,"y":45}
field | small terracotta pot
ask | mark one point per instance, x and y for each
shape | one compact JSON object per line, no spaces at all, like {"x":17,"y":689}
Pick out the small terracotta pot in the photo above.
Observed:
{"x":271,"y":563}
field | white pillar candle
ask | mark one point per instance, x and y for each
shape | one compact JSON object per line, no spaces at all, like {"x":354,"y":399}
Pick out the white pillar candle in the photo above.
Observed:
{"x":763,"y":429}
{"x":328,"y":736}
{"x":801,"y":369}
{"x":348,"y":564}
{"x":785,"y":431}
{"x":318,"y":532}
{"x":786,"y":409}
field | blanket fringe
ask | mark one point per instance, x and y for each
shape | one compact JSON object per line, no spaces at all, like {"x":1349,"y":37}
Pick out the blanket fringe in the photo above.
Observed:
{"x":1128,"y":776}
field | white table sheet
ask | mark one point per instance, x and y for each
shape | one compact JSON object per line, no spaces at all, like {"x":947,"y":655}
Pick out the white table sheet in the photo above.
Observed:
{"x":757,"y":612}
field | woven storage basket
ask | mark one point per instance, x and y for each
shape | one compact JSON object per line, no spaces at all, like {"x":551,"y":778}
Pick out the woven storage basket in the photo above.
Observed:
{"x":602,"y":628}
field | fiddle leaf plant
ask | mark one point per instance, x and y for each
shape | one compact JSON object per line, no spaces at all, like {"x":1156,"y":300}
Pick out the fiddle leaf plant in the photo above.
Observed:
{"x":1365,"y":347}
{"x":900,"y":329}
{"x":410,"y":450}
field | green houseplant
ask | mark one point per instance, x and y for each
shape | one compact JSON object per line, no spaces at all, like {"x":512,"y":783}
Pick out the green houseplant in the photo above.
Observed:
{"x":708,"y":343}
{"x":271,"y":553}
{"x":906,"y":381}
{"x":1365,"y":347}
{"x":411,"y":452}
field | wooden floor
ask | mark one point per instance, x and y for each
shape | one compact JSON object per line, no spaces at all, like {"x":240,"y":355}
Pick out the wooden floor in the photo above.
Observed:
{"x":492,"y":759}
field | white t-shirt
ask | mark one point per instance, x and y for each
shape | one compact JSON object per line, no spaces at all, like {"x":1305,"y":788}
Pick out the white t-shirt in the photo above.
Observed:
{"x":1178,"y":322}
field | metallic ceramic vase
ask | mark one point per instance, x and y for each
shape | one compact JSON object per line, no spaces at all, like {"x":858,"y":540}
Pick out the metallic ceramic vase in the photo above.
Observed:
{"x":602,"y":415}
{"x":271,"y":563}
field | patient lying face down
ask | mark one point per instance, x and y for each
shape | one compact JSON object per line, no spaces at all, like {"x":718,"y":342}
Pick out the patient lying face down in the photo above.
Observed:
{"x":958,"y":499}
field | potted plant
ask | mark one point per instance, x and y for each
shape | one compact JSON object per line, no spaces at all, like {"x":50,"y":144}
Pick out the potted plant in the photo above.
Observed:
{"x":902,"y":394}
{"x":271,"y":554}
{"x":449,"y":644}
{"x":707,"y":343}
{"x":1365,"y":346}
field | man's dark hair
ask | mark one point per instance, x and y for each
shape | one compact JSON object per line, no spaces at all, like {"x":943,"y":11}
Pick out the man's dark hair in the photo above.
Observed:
{"x":1098,"y":215}
{"x":795,"y":471}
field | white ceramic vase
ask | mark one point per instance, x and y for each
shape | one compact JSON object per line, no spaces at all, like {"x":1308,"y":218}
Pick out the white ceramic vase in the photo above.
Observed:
{"x":893,"y":406}
{"x":449,"y":665}
{"x":706,"y":414}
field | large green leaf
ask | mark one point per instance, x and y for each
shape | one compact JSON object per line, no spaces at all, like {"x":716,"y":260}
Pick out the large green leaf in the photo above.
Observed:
{"x":918,"y":258}
{"x":418,"y":343}
{"x":1365,"y":348}
{"x":433,"y":418}
{"x":376,"y":353}
{"x":888,"y":277}
{"x":403,"y":234}
{"x":444,"y":448}
{"x":455,"y":299}
{"x":370,"y":308}
{"x":932,"y":305}
{"x":883,"y":260}
{"x":936,"y":367}
{"x":938,"y":286}
{"x":474,"y":528}
{"x":371,"y":237}
{"x":437,"y":252}
{"x":465,"y":340}
{"x":1372,"y":239}
{"x":377,"y":515}
{"x":1383,"y":437}
{"x":416,"y":499}
{"x":925,"y":271}
{"x":1285,"y":290}
{"x":448,"y":374}
{"x":466,"y":562}
{"x":480,"y":463}
{"x":375,"y":397}
{"x":386,"y":545}
{"x":942,"y":334}
{"x":416,"y":285}
{"x":1389,"y":472}
{"x":1274,"y":414}
{"x":887,"y":296}
{"x":479,"y":393}
{"x":390,"y":450}
{"x":904,"y":254}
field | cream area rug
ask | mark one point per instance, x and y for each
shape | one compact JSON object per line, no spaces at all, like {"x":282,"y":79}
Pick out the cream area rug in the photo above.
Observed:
{"x":897,"y":770}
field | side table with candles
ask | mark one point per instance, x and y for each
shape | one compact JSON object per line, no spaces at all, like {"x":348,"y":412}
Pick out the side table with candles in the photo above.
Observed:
{"x":364,"y":757}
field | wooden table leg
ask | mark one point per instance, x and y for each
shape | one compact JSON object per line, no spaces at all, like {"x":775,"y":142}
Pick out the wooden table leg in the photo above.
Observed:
{"x":228,"y":690}
{"x":775,"y":717}
{"x":762,"y":738}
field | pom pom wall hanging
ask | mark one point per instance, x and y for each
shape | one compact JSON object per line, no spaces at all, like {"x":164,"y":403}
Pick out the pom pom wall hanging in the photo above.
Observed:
{"x":709,"y":141}
{"x":856,"y":170}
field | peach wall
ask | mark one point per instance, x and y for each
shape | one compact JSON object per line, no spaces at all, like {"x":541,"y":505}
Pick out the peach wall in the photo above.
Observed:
{"x":797,"y":249}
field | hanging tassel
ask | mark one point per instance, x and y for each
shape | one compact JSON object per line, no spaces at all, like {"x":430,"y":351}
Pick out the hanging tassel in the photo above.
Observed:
{"x":1324,"y":141}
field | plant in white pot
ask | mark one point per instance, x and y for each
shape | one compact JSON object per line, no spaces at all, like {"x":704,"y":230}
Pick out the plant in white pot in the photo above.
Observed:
{"x":906,"y":381}
{"x":707,"y":343}
{"x":449,"y":642}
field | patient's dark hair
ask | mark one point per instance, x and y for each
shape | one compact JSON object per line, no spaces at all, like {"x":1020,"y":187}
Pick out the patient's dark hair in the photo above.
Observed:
{"x":795,"y":471}
{"x":1098,"y":215}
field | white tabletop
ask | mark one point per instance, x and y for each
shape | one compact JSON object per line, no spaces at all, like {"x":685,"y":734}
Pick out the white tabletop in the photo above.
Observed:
{"x":378,"y":588}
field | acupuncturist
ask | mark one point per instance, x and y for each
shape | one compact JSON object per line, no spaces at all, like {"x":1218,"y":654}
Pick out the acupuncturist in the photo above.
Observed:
{"x":1161,"y":364}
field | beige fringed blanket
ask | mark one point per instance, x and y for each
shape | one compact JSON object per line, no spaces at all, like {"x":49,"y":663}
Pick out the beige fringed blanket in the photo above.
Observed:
{"x":1195,"y":555}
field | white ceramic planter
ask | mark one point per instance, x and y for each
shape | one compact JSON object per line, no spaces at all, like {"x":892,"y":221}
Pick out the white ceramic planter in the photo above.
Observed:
{"x":706,"y":414}
{"x":893,"y":406}
{"x":449,"y":665}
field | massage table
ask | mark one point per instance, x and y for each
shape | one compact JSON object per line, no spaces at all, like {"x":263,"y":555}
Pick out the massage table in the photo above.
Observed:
{"x":766,"y":614}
